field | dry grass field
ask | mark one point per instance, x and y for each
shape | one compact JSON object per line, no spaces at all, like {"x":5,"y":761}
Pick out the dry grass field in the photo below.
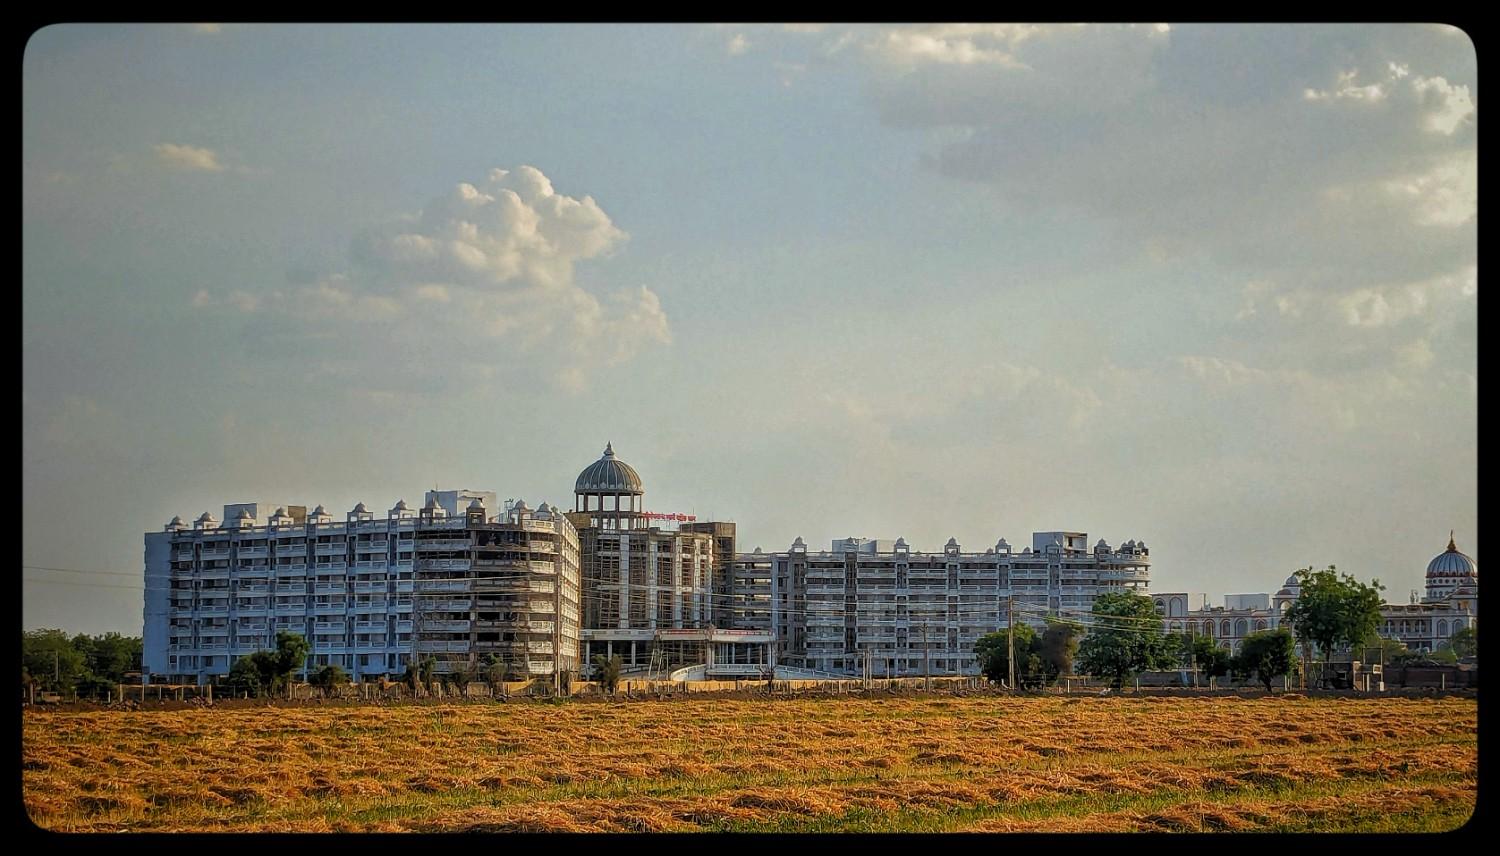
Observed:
{"x":982,"y":763}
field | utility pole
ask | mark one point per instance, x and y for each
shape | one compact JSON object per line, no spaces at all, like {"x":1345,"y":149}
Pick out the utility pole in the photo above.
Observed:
{"x":926,"y":658}
{"x":1010,"y":637}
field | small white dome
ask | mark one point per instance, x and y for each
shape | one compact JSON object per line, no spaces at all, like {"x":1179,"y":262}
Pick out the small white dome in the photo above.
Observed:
{"x":360,"y":509}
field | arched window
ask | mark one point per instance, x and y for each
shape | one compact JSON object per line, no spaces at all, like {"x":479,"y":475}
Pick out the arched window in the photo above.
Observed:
{"x":1260,"y":624}
{"x":1208,"y":629}
{"x":1224,"y":626}
{"x":1178,"y":607}
{"x":1241,"y":627}
{"x":1161,"y":608}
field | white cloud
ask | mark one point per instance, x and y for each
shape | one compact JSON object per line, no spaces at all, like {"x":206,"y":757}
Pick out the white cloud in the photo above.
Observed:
{"x":961,"y":44}
{"x":1446,"y":195}
{"x":1346,"y":89}
{"x":737,"y":45}
{"x":511,"y":227}
{"x":1448,"y":106}
{"x":191,"y":158}
{"x":489,"y":265}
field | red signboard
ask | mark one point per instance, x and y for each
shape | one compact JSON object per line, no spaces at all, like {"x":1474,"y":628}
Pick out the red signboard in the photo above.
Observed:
{"x":654,"y":515}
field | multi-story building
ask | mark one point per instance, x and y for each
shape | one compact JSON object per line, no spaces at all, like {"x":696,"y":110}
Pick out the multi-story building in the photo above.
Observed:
{"x":219,"y":591}
{"x":506,"y":589}
{"x":653,"y":594}
{"x":912,"y":613}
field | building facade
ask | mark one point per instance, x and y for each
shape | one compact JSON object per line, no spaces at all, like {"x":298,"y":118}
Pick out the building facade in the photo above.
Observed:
{"x":655,"y":596}
{"x":904,"y":612}
{"x":217,"y":591}
{"x":505,"y":590}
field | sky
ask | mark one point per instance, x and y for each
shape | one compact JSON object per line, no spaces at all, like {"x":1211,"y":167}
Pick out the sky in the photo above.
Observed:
{"x":1213,"y":287}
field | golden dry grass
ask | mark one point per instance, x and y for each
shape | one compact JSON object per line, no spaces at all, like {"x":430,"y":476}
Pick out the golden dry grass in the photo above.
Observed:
{"x":975,"y":763}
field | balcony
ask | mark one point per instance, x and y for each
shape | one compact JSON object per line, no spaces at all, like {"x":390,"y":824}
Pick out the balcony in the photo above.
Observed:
{"x":453,"y":586}
{"x":299,"y":570}
{"x":403,"y":627}
{"x":445,"y":626}
{"x":440,"y":647}
{"x":405,"y":585}
{"x":446,"y":564}
{"x":380,"y":606}
{"x":452,"y":605}
{"x":213,"y":573}
{"x":444,"y":544}
{"x":335,"y":548}
{"x":254,"y":588}
{"x":369,"y":627}
{"x":254,"y":552}
{"x":370,"y":587}
{"x":371,"y":647}
{"x":329,"y":588}
{"x":217,"y":553}
{"x":329,"y":626}
{"x":290,"y":609}
{"x":322,"y":608}
{"x":251,"y":611}
{"x":214,"y":594}
{"x":370,"y":564}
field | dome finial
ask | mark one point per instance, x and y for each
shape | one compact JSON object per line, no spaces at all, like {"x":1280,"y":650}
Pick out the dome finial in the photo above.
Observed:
{"x":1452,"y":547}
{"x":609,"y":450}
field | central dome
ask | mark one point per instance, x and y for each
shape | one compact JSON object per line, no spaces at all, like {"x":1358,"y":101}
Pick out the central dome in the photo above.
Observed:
{"x":609,"y":475}
{"x":1452,"y":563}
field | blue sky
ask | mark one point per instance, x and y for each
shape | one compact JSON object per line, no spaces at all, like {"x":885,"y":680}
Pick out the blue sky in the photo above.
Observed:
{"x":1209,"y":286}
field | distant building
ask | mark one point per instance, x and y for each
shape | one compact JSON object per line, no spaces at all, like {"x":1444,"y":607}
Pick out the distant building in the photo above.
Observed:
{"x":912,"y":612}
{"x":1450,"y":604}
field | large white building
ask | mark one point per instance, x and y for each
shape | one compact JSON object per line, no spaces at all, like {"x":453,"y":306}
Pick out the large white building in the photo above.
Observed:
{"x":911,"y":612}
{"x":220,"y":590}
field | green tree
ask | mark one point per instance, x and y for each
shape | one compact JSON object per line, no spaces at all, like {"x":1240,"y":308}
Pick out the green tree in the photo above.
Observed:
{"x":291,"y":653}
{"x":328,"y":678}
{"x":244,"y":677}
{"x":1057,"y":648}
{"x":1266,"y":655}
{"x":1464,"y":643}
{"x":113,"y":655}
{"x":50,"y":657}
{"x":1126,"y":638}
{"x":607,"y":671}
{"x":1209,"y":657}
{"x":992,"y":650}
{"x":1334,"y":610}
{"x":267,"y":670}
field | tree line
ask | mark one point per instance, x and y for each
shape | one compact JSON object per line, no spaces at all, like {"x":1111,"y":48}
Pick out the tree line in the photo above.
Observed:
{"x":77,"y":666}
{"x":1333,"y":612}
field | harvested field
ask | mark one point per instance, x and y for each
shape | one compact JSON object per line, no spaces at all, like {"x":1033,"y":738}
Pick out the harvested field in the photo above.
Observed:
{"x":985,"y":763}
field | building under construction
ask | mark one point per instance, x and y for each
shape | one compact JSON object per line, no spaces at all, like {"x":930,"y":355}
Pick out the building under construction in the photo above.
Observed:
{"x":497,"y":591}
